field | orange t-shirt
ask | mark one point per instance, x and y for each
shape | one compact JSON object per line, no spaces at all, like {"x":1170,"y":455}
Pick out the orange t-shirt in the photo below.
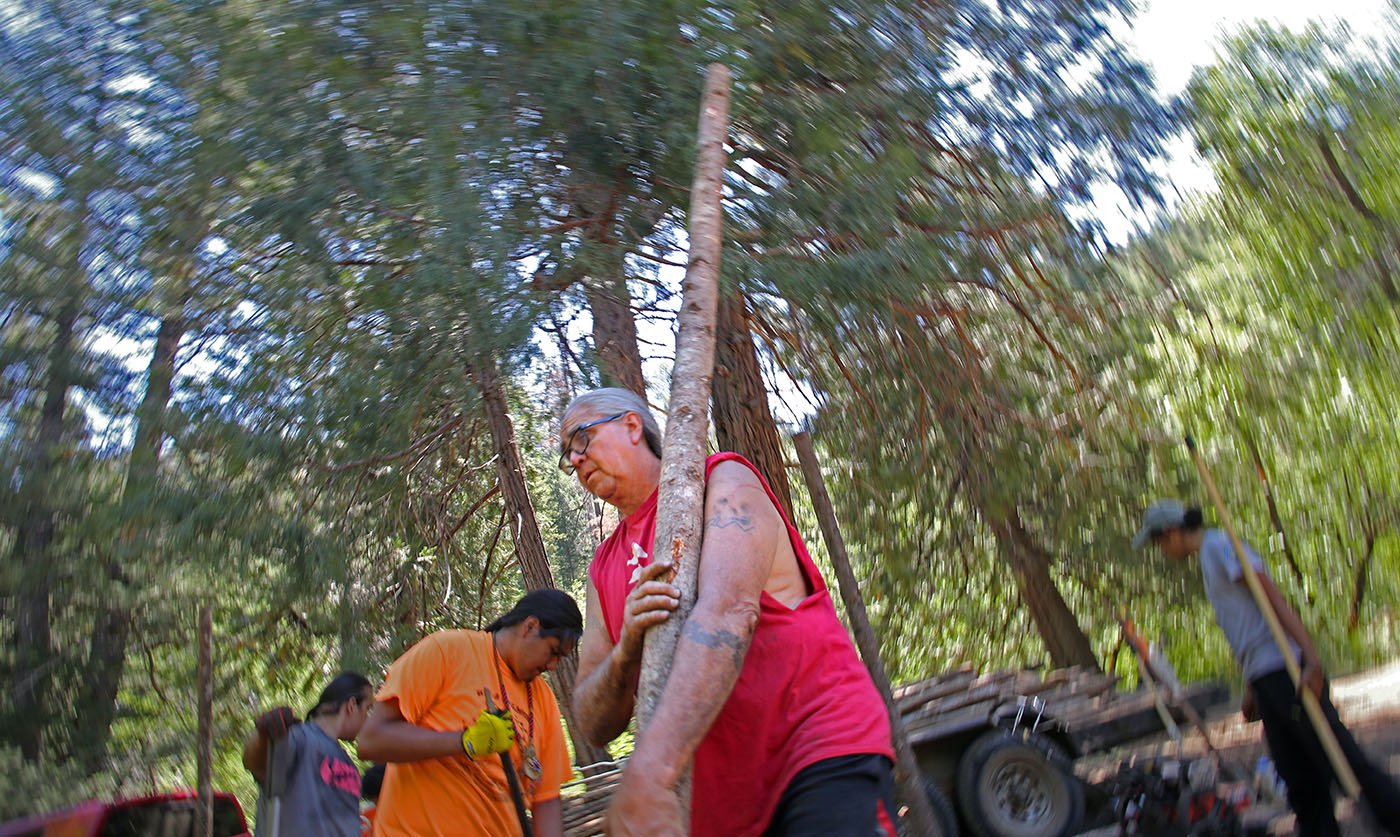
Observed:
{"x":440,"y":684}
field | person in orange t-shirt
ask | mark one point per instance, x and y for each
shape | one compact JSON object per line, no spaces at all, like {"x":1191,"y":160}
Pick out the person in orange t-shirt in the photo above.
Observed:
{"x":430,"y":723}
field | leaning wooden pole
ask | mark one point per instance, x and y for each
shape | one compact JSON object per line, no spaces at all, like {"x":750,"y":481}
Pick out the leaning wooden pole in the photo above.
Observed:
{"x":204,"y":748}
{"x":680,"y":503}
{"x":1345,"y":776}
{"x":909,"y":779}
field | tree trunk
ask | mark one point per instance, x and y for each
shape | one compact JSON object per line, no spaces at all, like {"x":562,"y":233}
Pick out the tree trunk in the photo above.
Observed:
{"x":1274,"y":514}
{"x":525,"y":534}
{"x":615,"y":330}
{"x":1363,"y":569}
{"x":743,"y":421}
{"x":107,"y":645}
{"x":1390,"y":248}
{"x":680,"y":503}
{"x":32,"y":550}
{"x":1064,"y":639}
{"x":909,"y":780}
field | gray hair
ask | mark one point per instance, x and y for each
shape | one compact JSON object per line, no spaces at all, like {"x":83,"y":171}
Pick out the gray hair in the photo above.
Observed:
{"x":610,"y":400}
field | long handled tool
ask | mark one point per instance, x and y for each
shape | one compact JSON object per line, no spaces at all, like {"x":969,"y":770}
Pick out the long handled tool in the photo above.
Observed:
{"x":276,"y":786}
{"x":1154,"y":684}
{"x":512,"y":780}
{"x":1340,"y":765}
{"x":1156,"y":681}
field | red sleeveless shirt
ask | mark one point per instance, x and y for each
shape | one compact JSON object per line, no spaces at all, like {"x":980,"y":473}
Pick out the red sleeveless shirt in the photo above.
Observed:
{"x":803,"y":694}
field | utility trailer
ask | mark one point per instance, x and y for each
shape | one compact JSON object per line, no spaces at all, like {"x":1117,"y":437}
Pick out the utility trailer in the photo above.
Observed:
{"x":996,"y":750}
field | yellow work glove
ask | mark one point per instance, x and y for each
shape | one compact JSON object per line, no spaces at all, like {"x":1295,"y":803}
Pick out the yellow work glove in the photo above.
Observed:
{"x":490,"y":734}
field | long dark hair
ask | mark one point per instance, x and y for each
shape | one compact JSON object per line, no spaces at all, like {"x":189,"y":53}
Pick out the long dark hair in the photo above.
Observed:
{"x":557,"y":611}
{"x":372,"y":782}
{"x":1193,"y":519}
{"x":348,"y":685}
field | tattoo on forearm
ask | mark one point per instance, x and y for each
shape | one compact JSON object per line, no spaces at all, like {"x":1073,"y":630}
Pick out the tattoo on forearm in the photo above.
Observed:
{"x":729,"y":513}
{"x":720,"y":639}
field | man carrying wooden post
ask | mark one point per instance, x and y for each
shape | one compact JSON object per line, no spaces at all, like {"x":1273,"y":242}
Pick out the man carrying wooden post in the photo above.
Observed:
{"x":1270,"y":695}
{"x":766,"y":692}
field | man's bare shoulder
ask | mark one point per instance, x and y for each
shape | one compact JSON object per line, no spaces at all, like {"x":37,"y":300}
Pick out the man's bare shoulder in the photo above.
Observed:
{"x":735,"y":499}
{"x":733,"y":474}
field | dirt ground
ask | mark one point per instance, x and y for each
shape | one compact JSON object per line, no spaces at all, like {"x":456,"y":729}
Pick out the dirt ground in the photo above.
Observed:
{"x":1369,"y":704}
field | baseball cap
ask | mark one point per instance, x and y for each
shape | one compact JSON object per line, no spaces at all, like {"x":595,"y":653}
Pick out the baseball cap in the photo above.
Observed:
{"x":1159,"y":517}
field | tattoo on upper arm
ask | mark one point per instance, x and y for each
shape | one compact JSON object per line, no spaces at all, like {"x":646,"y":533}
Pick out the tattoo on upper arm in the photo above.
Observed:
{"x":730,"y":513}
{"x":719,"y":639}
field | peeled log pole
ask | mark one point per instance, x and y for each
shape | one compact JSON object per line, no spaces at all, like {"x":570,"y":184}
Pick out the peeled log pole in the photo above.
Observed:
{"x":681,"y":499}
{"x":908,"y":775}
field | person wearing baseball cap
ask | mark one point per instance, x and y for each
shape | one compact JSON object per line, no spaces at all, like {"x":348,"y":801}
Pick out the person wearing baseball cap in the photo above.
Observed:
{"x":1180,"y":533}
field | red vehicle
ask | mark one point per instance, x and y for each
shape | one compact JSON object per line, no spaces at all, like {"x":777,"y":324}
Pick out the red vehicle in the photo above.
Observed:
{"x":158,"y":815}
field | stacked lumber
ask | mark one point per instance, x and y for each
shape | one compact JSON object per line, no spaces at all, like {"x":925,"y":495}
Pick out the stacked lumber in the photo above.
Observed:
{"x":960,"y":700}
{"x":1118,"y":718}
{"x":585,"y":800}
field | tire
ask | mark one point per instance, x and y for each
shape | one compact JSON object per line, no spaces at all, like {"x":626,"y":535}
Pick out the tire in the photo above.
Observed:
{"x":945,"y":817}
{"x":942,"y":808}
{"x":1013,"y":785}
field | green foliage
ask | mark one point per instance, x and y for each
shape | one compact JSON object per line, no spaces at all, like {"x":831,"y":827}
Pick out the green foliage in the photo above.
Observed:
{"x":341,"y":210}
{"x":31,"y":788}
{"x":1300,"y":130}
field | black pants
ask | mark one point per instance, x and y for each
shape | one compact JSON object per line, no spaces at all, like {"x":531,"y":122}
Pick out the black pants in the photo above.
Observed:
{"x":848,"y":796}
{"x":1303,"y":764}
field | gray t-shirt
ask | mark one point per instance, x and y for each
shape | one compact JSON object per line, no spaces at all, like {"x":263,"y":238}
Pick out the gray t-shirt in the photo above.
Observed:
{"x":1235,"y":611}
{"x":322,"y":791}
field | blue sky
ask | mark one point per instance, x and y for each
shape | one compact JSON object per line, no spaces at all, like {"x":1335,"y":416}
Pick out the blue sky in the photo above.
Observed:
{"x":1177,"y":36}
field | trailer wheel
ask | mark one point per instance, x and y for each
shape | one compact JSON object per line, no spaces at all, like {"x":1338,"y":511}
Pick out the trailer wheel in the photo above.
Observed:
{"x":945,"y":817}
{"x":942,"y":808}
{"x":1013,"y":786}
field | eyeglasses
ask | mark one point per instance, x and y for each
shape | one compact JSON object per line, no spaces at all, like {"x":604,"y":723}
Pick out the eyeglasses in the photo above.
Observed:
{"x":579,"y":445}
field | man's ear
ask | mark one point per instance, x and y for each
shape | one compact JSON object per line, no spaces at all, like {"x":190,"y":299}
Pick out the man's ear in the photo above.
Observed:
{"x":636,"y":431}
{"x":530,"y":627}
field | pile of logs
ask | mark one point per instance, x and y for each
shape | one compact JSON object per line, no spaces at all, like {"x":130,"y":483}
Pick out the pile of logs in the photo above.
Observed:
{"x":586,"y":800}
{"x":1081,"y":704}
{"x":960,"y":699}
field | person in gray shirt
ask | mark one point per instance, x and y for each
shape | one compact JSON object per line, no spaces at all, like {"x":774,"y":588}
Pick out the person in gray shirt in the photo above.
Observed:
{"x":320,"y":782}
{"x":1179,"y":532}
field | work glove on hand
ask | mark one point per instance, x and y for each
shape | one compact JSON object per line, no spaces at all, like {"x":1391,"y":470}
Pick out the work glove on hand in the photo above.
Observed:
{"x":490,"y":734}
{"x":276,"y":722}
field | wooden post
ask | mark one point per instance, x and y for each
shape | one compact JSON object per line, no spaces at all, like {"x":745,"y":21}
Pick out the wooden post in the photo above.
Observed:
{"x":1339,"y":762}
{"x":908,"y":775}
{"x":681,"y":500}
{"x":204,"y":754}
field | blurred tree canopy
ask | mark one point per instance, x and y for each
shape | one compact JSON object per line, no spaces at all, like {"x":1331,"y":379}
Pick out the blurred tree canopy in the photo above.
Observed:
{"x":271,"y":271}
